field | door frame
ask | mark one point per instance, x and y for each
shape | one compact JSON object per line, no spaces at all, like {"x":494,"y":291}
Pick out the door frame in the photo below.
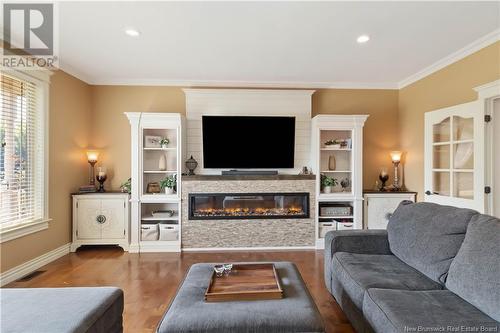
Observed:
{"x":487,"y":93}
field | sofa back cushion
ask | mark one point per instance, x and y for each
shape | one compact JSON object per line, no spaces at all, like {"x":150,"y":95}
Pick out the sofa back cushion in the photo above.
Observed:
{"x":427,"y":236}
{"x":474,"y":274}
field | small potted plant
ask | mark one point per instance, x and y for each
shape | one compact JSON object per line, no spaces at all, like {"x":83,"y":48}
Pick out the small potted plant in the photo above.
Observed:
{"x":126,"y":187}
{"x":327,"y":182}
{"x":164,"y":142}
{"x":168,"y":184}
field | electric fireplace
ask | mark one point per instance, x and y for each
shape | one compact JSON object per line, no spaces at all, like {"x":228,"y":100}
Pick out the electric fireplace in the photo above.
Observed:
{"x":220,"y":206}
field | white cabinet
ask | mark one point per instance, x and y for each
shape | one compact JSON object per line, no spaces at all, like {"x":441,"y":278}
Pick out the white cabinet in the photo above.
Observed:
{"x":378,"y":206}
{"x":100,"y":219}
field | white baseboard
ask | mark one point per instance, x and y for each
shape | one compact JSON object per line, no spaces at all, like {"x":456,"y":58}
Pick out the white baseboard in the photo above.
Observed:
{"x":257,"y":248}
{"x":32,"y":265}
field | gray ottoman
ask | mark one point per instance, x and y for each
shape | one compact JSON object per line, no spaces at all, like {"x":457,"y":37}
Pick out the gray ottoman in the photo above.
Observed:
{"x":189,"y":312}
{"x":61,"y":310}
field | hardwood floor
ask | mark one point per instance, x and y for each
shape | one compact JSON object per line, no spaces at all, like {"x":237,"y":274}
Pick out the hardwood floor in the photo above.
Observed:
{"x":150,"y":280}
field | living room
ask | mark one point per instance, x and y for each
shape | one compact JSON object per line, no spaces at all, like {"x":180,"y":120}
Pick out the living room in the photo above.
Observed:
{"x":250,"y":166}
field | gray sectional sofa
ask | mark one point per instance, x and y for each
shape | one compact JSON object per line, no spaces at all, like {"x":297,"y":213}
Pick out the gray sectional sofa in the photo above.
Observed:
{"x":435,"y":269}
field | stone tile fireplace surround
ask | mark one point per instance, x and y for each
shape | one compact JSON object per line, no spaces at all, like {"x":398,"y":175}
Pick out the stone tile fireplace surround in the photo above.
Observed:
{"x":252,"y":232}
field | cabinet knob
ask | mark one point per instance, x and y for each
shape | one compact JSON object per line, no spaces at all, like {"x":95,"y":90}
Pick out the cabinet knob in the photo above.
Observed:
{"x":428,"y":192}
{"x":100,"y":219}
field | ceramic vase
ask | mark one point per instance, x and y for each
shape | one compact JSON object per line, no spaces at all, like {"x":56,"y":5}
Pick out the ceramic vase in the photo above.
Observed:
{"x":162,"y":163}
{"x":327,"y":189}
{"x":331,"y":163}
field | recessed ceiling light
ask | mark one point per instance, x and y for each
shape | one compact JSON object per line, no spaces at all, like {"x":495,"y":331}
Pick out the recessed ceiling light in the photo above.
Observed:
{"x":132,"y":32}
{"x":363,"y":39}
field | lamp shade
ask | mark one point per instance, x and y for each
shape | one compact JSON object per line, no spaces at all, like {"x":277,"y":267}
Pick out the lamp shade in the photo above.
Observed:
{"x":92,"y":156}
{"x":396,"y":155}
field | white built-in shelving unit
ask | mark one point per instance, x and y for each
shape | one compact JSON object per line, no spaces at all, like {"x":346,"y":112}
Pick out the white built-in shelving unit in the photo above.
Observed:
{"x":341,"y":209}
{"x":148,"y":231}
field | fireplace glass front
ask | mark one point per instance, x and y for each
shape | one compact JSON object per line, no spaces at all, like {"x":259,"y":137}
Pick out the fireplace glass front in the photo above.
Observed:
{"x":218,"y":206}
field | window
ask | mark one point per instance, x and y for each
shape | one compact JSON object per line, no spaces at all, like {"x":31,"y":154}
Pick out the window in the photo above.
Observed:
{"x":23,"y":206}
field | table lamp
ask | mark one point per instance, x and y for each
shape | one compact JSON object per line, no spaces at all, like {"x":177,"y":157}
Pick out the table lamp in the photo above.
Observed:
{"x":396,"y":159}
{"x":92,"y":156}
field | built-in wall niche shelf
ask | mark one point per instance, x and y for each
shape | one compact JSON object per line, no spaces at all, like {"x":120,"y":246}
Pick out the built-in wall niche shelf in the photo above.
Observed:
{"x":335,"y":149}
{"x":160,"y":149}
{"x":160,"y":171}
{"x":174,"y":217}
{"x":336,"y":217}
{"x":336,"y":171}
{"x":160,"y":198}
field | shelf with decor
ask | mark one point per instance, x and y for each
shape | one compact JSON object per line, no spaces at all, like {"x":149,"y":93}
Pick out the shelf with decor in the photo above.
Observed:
{"x":157,"y":156}
{"x":337,"y":143}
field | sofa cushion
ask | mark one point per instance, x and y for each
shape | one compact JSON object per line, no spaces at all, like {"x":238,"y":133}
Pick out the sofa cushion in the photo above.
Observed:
{"x":475,"y":272}
{"x":358,"y":272}
{"x":62,"y":310}
{"x":395,"y":311}
{"x":427,"y":236}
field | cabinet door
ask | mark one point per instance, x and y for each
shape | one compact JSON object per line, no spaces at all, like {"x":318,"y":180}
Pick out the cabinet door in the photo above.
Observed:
{"x":87,"y":225}
{"x":113,"y":211}
{"x":454,"y":156}
{"x":379,"y":210}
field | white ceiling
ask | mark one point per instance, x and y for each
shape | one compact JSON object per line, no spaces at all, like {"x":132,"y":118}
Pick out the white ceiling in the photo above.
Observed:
{"x":303,"y":44}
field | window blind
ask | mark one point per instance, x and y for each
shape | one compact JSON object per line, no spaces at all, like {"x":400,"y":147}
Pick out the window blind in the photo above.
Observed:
{"x":21,"y":154}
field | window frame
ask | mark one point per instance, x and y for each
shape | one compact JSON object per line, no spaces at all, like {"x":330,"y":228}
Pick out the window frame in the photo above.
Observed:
{"x":42,"y":81}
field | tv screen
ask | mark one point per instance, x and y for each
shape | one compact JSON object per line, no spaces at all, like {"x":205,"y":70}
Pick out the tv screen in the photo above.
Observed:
{"x":248,"y":142}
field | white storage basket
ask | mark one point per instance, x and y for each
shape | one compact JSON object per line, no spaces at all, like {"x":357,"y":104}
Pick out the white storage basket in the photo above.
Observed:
{"x":169,"y":232}
{"x":149,"y":232}
{"x":344,"y":225}
{"x":325,"y":227}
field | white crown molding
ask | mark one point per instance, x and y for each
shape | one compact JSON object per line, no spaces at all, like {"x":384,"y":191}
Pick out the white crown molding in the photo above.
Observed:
{"x":241,"y":84}
{"x":32,"y":265}
{"x":473,"y":47}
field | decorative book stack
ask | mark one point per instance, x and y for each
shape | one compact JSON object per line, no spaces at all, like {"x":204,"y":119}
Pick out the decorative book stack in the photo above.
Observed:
{"x":87,"y":189}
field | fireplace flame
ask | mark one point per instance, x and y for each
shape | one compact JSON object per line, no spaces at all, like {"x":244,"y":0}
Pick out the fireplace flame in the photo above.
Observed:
{"x":210,"y":212}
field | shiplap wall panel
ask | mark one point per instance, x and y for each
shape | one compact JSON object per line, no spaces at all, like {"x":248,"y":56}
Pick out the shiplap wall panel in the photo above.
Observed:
{"x":249,"y":102}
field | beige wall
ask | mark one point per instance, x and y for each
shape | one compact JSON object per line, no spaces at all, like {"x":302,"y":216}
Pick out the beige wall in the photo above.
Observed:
{"x":69,"y":115}
{"x":450,"y":86}
{"x":110,"y":128}
{"x":380,"y":134}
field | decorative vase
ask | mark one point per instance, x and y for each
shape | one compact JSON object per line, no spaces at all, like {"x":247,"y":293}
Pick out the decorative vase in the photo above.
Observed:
{"x":331,"y":162}
{"x":169,"y":190}
{"x":191,"y":164}
{"x":162,"y":163}
{"x":164,"y":145}
{"x":327,"y":189}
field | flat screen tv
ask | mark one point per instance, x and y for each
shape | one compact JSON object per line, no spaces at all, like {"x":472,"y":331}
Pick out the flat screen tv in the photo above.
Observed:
{"x":234,"y":142}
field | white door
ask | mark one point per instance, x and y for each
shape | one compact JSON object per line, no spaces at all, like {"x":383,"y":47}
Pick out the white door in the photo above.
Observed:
{"x":87,"y":226}
{"x":113,"y":212}
{"x":454,"y":156}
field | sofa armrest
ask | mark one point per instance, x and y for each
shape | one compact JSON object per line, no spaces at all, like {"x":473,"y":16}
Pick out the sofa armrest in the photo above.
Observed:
{"x":353,"y":241}
{"x":357,"y":241}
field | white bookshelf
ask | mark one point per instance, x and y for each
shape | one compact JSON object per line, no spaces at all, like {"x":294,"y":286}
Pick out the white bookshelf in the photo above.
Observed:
{"x":348,"y":166}
{"x":145,"y":169}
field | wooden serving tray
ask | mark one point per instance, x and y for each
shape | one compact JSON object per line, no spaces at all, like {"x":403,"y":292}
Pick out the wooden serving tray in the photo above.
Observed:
{"x":247,"y":282}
